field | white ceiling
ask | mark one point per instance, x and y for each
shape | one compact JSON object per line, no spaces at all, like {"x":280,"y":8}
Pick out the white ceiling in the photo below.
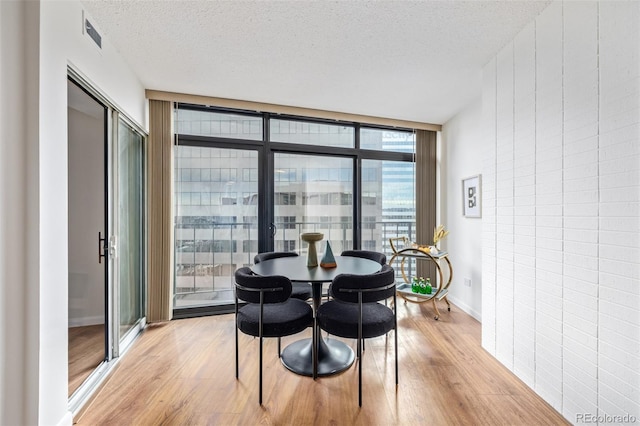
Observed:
{"x":410,"y":60}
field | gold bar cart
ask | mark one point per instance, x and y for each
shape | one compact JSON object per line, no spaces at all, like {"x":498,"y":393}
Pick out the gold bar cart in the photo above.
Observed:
{"x":408,"y":249}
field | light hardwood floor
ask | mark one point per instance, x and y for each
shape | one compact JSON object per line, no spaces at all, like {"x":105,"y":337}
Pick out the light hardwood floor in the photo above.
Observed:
{"x":182,"y":373}
{"x":86,"y":352}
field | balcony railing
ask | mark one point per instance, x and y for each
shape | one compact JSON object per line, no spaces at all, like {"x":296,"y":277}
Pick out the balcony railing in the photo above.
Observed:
{"x":206,"y":255}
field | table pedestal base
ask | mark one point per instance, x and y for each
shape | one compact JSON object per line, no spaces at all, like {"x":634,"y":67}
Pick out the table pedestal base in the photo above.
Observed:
{"x":334,"y":356}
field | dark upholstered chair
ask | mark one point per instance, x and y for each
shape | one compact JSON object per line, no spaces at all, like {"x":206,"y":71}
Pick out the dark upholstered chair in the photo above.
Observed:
{"x":300,"y":291}
{"x":355,"y":312}
{"x":366,"y":254}
{"x":371,"y":255}
{"x":269,"y":312}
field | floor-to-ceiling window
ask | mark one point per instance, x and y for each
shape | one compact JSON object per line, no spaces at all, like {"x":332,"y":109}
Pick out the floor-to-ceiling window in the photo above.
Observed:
{"x":312,"y":193}
{"x":216,"y":221}
{"x":247,"y":182}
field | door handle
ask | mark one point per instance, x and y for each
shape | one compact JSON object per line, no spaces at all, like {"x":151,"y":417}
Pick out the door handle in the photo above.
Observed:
{"x":274,"y":228}
{"x":102,"y":247}
{"x":112,"y":247}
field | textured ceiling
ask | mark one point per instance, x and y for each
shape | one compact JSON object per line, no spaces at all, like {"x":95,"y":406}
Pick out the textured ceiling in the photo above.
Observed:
{"x":411,"y":60}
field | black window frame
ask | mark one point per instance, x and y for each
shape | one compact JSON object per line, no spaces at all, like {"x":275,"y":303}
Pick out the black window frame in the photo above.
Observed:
{"x":266,"y":180}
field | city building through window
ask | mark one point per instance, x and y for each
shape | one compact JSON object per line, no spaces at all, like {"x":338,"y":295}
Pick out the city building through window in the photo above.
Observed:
{"x":240,"y":190}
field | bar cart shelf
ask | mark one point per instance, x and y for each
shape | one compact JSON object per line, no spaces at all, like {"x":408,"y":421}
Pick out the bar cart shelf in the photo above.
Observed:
{"x":407,"y":250}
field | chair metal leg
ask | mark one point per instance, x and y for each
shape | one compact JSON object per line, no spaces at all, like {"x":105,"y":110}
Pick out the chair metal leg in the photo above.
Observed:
{"x":236,"y":328}
{"x":279,"y":351}
{"x":396,"y":347}
{"x":395,"y":334}
{"x":360,"y":339}
{"x":360,"y":382}
{"x":261,"y":325}
{"x":260,"y":391}
{"x":236,"y":352}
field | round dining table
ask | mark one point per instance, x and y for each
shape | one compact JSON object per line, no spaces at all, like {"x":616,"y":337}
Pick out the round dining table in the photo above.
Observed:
{"x":333,"y":356}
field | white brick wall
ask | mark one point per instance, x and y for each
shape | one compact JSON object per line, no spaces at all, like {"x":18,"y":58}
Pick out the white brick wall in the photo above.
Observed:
{"x":619,"y":227}
{"x":549,"y":207}
{"x":488,"y":206}
{"x":504,"y":204}
{"x":524,"y":211}
{"x":561,"y":207}
{"x":580,"y":188}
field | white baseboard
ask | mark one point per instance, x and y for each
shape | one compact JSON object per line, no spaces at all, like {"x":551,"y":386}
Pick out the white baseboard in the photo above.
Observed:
{"x":466,"y":308}
{"x":83,"y":321}
{"x":67,"y":420}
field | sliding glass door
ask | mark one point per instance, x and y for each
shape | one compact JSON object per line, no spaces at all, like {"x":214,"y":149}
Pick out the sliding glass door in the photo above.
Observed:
{"x":129,"y":245}
{"x":106,"y":236}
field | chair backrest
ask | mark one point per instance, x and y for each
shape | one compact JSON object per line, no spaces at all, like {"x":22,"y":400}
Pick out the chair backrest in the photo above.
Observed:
{"x":276,"y":288}
{"x":366,"y":254}
{"x":374,"y":287}
{"x":261,"y":257}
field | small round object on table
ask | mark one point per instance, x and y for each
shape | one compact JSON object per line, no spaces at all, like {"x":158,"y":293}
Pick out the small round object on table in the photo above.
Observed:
{"x":312,"y":253}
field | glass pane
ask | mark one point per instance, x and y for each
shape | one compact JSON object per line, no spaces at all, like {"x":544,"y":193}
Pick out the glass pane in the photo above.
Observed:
{"x":388,"y":140}
{"x":223,"y":125}
{"x":216,"y":222}
{"x":130,"y":217}
{"x":388,"y":205}
{"x":86,"y":206}
{"x":305,"y":133}
{"x":313,"y":194}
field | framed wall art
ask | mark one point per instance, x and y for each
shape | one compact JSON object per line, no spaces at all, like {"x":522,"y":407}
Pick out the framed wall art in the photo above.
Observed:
{"x":471,"y":194}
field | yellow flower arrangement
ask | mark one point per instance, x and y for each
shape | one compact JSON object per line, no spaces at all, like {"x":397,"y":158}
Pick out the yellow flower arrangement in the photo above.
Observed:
{"x":438,"y":234}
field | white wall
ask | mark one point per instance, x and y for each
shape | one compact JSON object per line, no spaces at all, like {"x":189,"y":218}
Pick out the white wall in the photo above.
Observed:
{"x":461,"y":157}
{"x":39,"y":40}
{"x":86,"y":218}
{"x":561,"y":208}
{"x":18,"y":202}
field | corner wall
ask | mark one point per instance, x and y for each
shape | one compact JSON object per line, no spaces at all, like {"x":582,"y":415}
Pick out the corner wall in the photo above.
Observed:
{"x":39,"y":40}
{"x":561,"y":208}
{"x":17,"y":290}
{"x":461,"y":157}
{"x":62,"y":44}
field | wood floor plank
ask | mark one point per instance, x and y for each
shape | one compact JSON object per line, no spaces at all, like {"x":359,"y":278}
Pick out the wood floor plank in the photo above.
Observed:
{"x":183,"y":373}
{"x":86,"y":352}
